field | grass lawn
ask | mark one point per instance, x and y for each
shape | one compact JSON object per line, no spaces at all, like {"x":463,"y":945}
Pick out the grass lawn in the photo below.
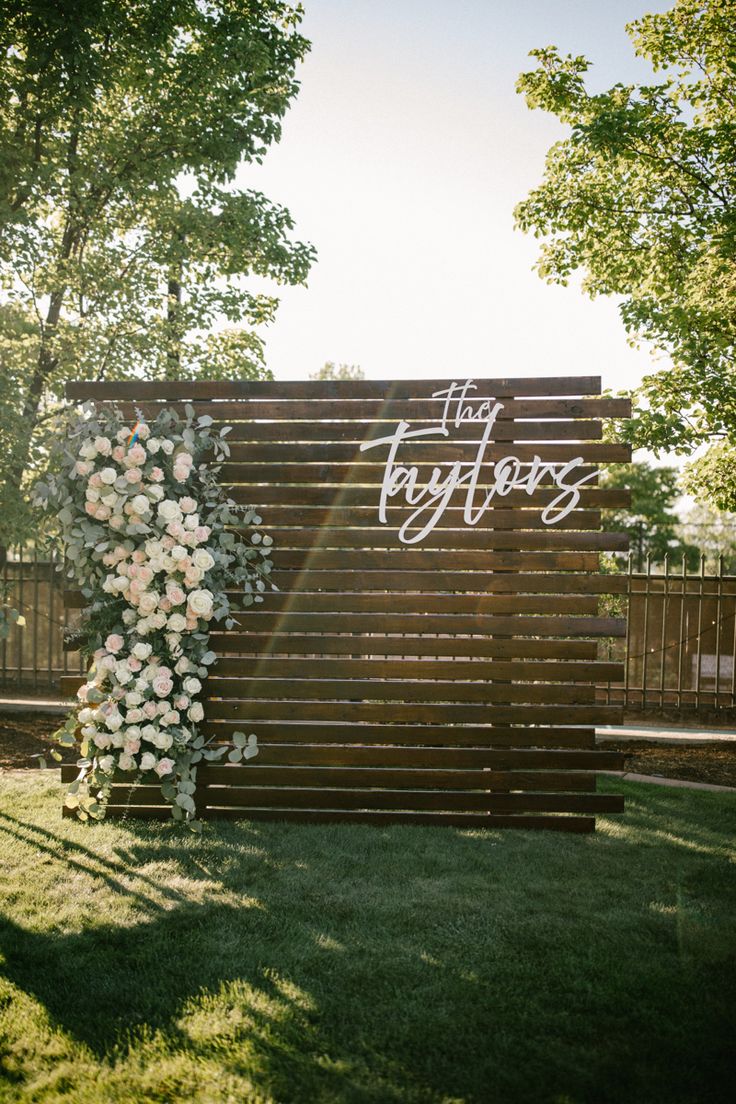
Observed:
{"x":285,"y":963}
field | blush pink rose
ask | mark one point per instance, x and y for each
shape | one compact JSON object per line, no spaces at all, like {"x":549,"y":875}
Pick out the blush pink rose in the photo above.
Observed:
{"x":175,"y":594}
{"x":134,"y":663}
{"x":145,"y":574}
{"x":164,"y":604}
{"x":202,"y":533}
{"x":94,"y":480}
{"x":149,"y":709}
{"x":118,"y":453}
{"x":163,"y":767}
{"x":90,"y":508}
{"x":133,"y":475}
{"x":156,"y":475}
{"x":162,"y":686}
{"x":114,"y":643}
{"x":139,"y":556}
{"x":187,"y":505}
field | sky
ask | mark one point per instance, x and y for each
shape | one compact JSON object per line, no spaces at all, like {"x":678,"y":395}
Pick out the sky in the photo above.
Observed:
{"x":401,"y":161}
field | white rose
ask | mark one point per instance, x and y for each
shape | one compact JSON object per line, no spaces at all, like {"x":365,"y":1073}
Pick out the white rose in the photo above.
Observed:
{"x":153,"y":548}
{"x":142,"y":651}
{"x":178,"y":552}
{"x":110,"y":499}
{"x":183,"y":665}
{"x":153,"y":445}
{"x":169,"y":510}
{"x":157,"y":620}
{"x":143,"y":628}
{"x":88,"y":450}
{"x":155,"y":492}
{"x":200,"y":602}
{"x":122,"y":436}
{"x":141,"y":504}
{"x":92,"y":495}
{"x":195,"y":574}
{"x":85,"y":715}
{"x":192,"y":685}
{"x":103,"y":446}
{"x":148,"y":761}
{"x":149,"y":731}
{"x":191,"y":521}
{"x":177,"y":622}
{"x":148,"y":602}
{"x":195,"y":712}
{"x":133,"y":698}
{"x":167,"y":447}
{"x":129,"y":616}
{"x":163,"y":740}
{"x":108,"y":476}
{"x":201,"y":558}
{"x":106,"y":763}
{"x":113,"y":721}
{"x":126,"y":762}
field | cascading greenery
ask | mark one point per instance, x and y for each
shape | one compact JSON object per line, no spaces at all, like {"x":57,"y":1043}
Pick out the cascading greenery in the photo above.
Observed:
{"x":155,"y":545}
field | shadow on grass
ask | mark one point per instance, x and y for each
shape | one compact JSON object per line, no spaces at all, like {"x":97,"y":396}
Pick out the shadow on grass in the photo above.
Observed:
{"x":413,"y":964}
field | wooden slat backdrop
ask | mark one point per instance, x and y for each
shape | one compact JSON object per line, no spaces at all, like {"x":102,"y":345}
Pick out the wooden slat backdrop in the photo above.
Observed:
{"x":451,"y":681}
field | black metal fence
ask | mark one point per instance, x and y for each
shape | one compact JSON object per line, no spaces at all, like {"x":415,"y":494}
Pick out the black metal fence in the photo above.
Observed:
{"x":680,"y":645}
{"x":33,"y":656}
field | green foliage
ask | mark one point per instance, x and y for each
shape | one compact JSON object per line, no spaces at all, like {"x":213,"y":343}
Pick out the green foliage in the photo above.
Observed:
{"x":639,"y":198}
{"x":713,"y":533}
{"x":651,"y":521}
{"x":125,"y":245}
{"x":332,"y":371}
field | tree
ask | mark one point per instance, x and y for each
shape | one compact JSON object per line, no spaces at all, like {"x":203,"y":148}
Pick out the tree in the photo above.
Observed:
{"x":332,"y":371}
{"x":651,"y":521}
{"x":712,"y":532}
{"x":641,"y":198}
{"x":125,"y":243}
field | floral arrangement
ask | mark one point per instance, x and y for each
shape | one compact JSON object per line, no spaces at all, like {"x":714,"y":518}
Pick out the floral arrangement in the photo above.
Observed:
{"x":147,"y":535}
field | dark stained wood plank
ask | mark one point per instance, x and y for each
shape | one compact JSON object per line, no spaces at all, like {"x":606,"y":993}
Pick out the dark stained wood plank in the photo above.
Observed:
{"x":237,"y":643}
{"x":137,"y":390}
{"x":274,"y":424}
{"x":258,"y":620}
{"x":369,"y":778}
{"x":382,"y":691}
{"x":420,"y":409}
{"x":415,"y":800}
{"x":419,"y":758}
{"x":422,"y":451}
{"x":460,"y":670}
{"x":479,"y":582}
{"x":426,"y":603}
{"x":357,"y":516}
{"x":413,"y":713}
{"x":510,"y":431}
{"x":457,"y":540}
{"x":378,"y":819}
{"x":414,"y":557}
